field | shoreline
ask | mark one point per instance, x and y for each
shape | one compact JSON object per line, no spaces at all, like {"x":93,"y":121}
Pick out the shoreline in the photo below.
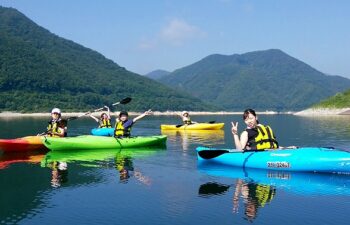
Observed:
{"x":323,"y":112}
{"x":156,"y":113}
{"x":307,"y":112}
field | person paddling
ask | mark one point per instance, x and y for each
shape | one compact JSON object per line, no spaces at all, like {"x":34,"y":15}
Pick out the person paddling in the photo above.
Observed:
{"x":105,"y":119}
{"x":185,"y":116}
{"x":124,"y":124}
{"x":256,"y":136}
{"x":57,"y":126}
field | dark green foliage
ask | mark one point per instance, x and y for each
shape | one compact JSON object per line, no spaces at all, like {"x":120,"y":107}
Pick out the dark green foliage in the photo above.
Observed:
{"x":39,"y":70}
{"x":340,"y":100}
{"x":263,"y":80}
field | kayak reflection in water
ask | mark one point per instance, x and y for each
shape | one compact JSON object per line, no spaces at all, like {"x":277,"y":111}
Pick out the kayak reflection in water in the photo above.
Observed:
{"x":59,"y":174}
{"x":126,"y":170}
{"x":254,"y":196}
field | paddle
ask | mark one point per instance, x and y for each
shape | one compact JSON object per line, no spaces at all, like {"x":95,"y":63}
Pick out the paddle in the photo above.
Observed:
{"x":210,"y":154}
{"x":180,"y":125}
{"x":213,"y":153}
{"x":122,"y":102}
{"x":212,"y":188}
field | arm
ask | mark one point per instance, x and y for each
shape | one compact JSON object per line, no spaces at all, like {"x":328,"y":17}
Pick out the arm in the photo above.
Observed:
{"x":148,"y":112}
{"x":240,"y":143}
{"x":108,"y":112}
{"x":97,"y":120}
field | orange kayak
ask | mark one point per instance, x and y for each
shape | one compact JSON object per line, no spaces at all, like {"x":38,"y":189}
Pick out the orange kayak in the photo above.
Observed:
{"x":29,"y":143}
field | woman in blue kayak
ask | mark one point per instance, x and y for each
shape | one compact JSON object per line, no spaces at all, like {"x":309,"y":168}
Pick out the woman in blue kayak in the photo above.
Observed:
{"x":256,"y":136}
{"x":105,"y":120}
{"x":123,"y":123}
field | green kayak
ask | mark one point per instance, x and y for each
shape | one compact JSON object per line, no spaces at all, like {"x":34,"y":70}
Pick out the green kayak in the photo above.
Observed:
{"x":87,"y":142}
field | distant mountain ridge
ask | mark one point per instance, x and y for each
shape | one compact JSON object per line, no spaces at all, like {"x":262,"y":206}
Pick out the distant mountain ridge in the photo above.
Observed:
{"x":39,"y":70}
{"x":264,"y":80}
{"x":157,"y":74}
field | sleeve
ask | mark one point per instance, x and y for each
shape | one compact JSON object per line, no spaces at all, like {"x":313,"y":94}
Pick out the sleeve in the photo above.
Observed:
{"x":128,"y":123}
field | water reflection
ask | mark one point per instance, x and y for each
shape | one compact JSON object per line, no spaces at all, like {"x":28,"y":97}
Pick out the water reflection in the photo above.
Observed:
{"x":20,"y":157}
{"x":188,"y":137}
{"x":122,"y":160}
{"x":297,"y":182}
{"x":253,"y":195}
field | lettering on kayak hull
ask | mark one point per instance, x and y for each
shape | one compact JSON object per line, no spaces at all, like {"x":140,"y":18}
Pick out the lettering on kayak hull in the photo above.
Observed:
{"x":279,"y":165}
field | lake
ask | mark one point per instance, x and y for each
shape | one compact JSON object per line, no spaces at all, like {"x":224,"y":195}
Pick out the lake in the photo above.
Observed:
{"x":166,"y":186}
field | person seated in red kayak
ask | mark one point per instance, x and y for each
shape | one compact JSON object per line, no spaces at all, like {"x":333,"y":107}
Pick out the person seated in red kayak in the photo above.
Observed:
{"x":123,"y":123}
{"x":185,"y":116}
{"x":256,"y":136}
{"x":57,"y":126}
{"x":105,"y":120}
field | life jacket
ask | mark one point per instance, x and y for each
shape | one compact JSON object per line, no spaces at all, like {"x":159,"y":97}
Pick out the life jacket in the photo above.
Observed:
{"x":120,"y":131}
{"x":264,"y":139}
{"x":105,"y":123}
{"x":187,"y":121}
{"x":53,"y":128}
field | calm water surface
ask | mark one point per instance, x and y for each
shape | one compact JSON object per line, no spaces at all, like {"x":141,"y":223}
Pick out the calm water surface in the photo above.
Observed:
{"x":166,"y":186}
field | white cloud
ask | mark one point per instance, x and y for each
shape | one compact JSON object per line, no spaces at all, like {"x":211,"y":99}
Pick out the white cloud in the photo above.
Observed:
{"x":178,"y":31}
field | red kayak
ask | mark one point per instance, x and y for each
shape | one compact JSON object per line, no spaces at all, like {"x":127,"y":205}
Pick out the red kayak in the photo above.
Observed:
{"x":29,"y":143}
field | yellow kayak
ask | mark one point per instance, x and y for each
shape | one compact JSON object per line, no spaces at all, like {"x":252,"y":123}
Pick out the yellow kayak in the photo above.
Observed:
{"x":195,"y":126}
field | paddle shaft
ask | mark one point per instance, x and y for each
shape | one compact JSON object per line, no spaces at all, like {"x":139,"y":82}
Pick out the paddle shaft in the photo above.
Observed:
{"x":123,"y":102}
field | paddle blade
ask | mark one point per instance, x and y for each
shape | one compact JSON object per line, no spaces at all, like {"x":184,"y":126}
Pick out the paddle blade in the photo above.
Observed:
{"x":210,"y":154}
{"x":125,"y":101}
{"x":212,"y":188}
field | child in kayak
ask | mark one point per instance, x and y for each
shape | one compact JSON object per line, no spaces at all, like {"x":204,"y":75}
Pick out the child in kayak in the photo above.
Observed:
{"x":105,"y":120}
{"x":256,"y":136}
{"x":57,"y":127}
{"x":123,"y":123}
{"x":185,"y":116}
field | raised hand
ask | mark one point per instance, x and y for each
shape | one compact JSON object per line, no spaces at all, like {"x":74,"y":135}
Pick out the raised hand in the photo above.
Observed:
{"x":234,"y":128}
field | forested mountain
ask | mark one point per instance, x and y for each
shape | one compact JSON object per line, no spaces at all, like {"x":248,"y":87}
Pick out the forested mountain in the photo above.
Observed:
{"x":40,"y":70}
{"x":157,"y":74}
{"x":339,"y":100}
{"x":263,"y":80}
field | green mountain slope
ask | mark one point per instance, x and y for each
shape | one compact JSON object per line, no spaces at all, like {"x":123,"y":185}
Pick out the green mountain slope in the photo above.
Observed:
{"x":340,"y":100}
{"x":264,"y":80}
{"x":39,"y":70}
{"x":157,"y":74}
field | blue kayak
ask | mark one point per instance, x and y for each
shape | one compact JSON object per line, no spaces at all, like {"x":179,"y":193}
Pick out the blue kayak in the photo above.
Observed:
{"x":103,"y":132}
{"x":305,"y":159}
{"x":297,"y":182}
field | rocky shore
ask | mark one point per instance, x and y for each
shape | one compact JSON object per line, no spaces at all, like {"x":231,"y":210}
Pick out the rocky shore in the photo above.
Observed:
{"x":323,"y":112}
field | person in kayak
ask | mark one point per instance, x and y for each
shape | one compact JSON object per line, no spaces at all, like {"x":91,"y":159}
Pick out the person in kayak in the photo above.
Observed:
{"x":185,"y":116}
{"x":256,"y":136}
{"x":123,"y":123}
{"x":105,"y":120}
{"x":57,"y":126}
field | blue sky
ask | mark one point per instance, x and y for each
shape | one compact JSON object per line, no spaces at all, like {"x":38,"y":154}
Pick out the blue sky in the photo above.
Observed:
{"x":147,"y":35}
